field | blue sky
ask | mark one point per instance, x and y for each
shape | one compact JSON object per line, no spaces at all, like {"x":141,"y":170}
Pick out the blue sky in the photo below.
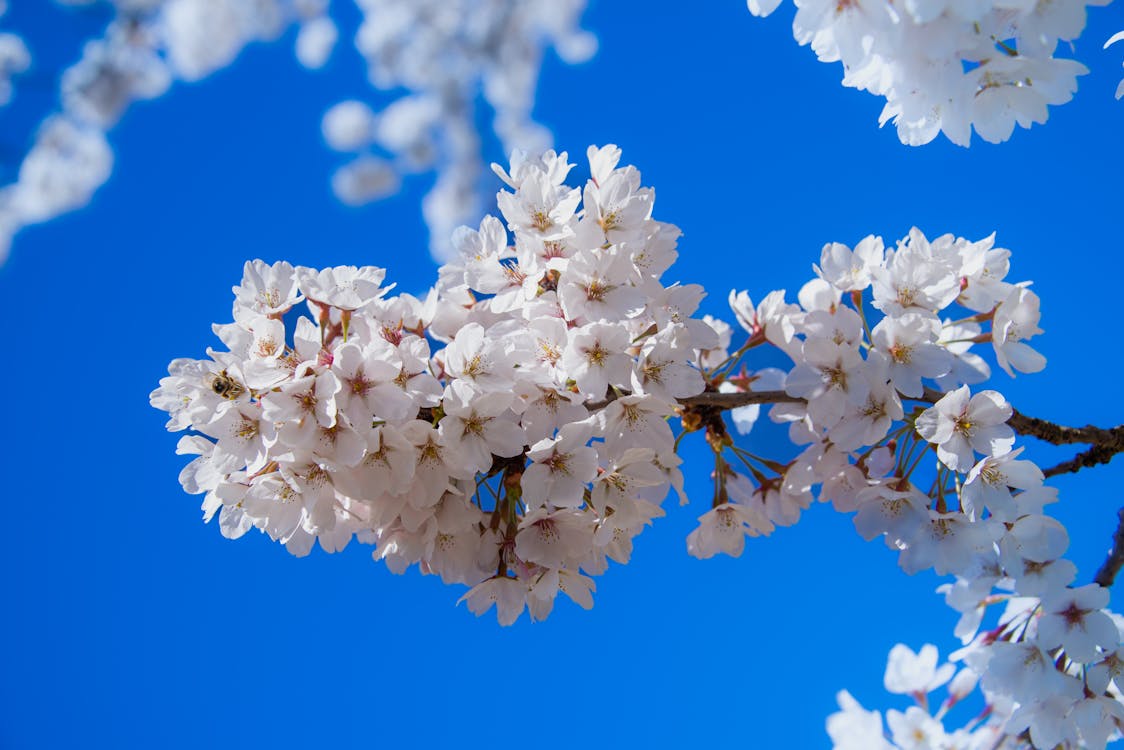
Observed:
{"x":128,"y":623}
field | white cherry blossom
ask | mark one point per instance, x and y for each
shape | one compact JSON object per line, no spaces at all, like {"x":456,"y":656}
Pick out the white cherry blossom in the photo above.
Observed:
{"x":961,"y":424}
{"x":1016,"y":319}
{"x":908,"y":672}
{"x":1074,"y":620}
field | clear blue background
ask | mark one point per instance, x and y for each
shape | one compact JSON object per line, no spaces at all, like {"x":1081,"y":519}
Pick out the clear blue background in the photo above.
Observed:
{"x":127,"y":623}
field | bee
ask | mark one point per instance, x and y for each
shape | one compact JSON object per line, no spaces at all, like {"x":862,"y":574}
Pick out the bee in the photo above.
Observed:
{"x":226,"y":386}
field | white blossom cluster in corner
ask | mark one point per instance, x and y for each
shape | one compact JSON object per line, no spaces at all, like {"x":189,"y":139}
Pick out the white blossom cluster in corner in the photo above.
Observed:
{"x":508,"y":432}
{"x":948,"y":65}
{"x":446,"y":54}
{"x":443,"y":54}
{"x":1013,"y":693}
{"x":882,"y":368}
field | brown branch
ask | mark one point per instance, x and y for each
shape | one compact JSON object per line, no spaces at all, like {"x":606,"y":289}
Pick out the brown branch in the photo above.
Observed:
{"x":726,"y":401}
{"x":720,"y":401}
{"x":1051,"y":432}
{"x":1062,"y":435}
{"x":1105,"y":443}
{"x":1115,"y":560}
{"x":1095,"y":456}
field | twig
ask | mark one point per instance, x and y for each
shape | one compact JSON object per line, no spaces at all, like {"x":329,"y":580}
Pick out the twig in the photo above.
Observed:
{"x":720,"y":401}
{"x":1115,"y":560}
{"x":1105,"y":443}
{"x":1095,"y":456}
{"x":1062,"y":435}
{"x":1051,"y":432}
{"x":734,"y":400}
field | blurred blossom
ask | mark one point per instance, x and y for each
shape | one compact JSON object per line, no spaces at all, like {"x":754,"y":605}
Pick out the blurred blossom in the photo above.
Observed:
{"x":14,"y":59}
{"x":348,"y":126}
{"x":440,"y":57}
{"x":447,"y":53}
{"x":315,"y":42}
{"x":64,"y":167}
{"x":366,"y":179}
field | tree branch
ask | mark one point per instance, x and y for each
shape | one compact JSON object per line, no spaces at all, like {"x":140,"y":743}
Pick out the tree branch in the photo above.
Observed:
{"x":1062,"y":435}
{"x":1095,"y":456}
{"x":1115,"y":560}
{"x":726,"y":401}
{"x":1051,"y":432}
{"x":1105,"y":443}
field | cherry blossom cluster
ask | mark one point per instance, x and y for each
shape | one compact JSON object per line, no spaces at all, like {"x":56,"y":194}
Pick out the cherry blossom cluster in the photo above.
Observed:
{"x":1008,"y":680}
{"x":922,"y":725}
{"x":853,"y":375}
{"x":948,"y":66}
{"x":509,"y":431}
{"x":880,"y":394}
{"x":443,"y":54}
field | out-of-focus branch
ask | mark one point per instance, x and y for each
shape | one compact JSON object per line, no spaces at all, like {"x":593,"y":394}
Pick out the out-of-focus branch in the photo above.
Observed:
{"x":1115,"y":560}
